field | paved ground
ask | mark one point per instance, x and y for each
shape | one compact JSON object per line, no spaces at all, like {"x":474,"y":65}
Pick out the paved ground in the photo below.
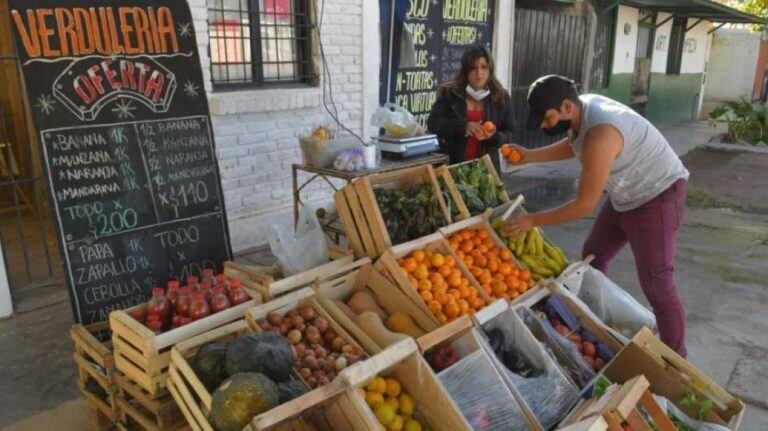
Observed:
{"x":721,"y":273}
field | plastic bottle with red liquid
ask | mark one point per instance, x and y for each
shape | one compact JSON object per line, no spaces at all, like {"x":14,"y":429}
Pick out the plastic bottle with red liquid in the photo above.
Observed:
{"x":236,"y":293}
{"x":172,"y":291}
{"x":160,"y":306}
{"x":182,"y":301}
{"x":193,"y":283}
{"x":219,"y":301}
{"x":207,"y":289}
{"x":208,"y":275}
{"x":198,"y":306}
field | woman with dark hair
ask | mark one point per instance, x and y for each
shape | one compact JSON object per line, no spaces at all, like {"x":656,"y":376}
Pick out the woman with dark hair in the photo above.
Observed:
{"x":465,"y":104}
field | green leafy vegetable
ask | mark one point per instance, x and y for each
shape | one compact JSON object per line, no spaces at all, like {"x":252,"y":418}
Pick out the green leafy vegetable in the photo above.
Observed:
{"x":477,"y":187}
{"x":410,"y":213}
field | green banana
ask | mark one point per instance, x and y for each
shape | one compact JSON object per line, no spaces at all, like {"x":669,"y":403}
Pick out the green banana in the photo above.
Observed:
{"x":539,"y":242}
{"x":550,"y":263}
{"x":519,"y":245}
{"x":542,"y":271}
{"x":530,"y":243}
{"x":563,"y":260}
{"x":552,"y":253}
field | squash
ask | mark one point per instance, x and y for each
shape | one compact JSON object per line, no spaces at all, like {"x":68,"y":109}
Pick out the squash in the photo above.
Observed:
{"x":240,"y":398}
{"x":362,"y":301}
{"x":372,"y":325}
{"x":261,"y":352}
{"x":402,"y":323}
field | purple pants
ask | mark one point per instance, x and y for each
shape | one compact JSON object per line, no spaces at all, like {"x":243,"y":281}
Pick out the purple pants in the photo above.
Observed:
{"x":651,"y":231}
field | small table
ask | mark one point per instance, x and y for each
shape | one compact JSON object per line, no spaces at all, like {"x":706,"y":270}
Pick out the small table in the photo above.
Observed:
{"x":332,"y":226}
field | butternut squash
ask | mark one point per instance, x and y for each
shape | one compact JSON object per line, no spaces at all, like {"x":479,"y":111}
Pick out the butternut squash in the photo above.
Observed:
{"x":362,"y":301}
{"x":402,"y":323}
{"x":372,"y":325}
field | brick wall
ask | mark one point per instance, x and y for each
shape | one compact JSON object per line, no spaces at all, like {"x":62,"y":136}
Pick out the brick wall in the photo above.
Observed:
{"x":257,"y":131}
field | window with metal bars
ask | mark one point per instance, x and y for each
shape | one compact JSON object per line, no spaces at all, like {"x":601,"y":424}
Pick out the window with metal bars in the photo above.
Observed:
{"x":256,"y":43}
{"x":676,"y":43}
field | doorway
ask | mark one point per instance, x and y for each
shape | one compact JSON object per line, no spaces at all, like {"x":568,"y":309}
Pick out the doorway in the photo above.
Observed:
{"x":641,"y":79}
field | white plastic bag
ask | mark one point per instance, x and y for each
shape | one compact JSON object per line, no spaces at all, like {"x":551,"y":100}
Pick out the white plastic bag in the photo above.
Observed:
{"x":612,"y":304}
{"x":397,"y":121}
{"x":302,"y":250}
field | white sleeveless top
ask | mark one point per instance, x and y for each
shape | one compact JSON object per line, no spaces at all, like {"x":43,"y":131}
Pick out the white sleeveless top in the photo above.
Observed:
{"x":646,"y":166}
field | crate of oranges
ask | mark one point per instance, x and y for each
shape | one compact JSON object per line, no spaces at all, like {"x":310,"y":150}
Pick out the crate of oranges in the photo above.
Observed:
{"x":429,"y":272}
{"x":490,"y":262}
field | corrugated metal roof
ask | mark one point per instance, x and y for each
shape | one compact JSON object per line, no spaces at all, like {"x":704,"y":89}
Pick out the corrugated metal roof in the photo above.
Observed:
{"x":705,"y":9}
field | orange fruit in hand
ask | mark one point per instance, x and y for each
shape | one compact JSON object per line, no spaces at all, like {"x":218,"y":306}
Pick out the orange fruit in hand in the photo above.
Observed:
{"x":489,"y":127}
{"x":506,"y":150}
{"x":514,"y":156}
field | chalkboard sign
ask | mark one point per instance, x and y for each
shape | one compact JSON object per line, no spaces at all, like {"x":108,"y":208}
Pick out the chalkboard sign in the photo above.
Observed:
{"x":440,"y":32}
{"x":118,"y":98}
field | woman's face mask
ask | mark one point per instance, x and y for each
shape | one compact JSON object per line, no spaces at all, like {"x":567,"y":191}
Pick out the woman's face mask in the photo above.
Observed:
{"x":478,"y":95}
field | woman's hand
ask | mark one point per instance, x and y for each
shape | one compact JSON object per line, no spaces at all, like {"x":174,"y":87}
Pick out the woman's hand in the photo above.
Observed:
{"x":474,"y":129}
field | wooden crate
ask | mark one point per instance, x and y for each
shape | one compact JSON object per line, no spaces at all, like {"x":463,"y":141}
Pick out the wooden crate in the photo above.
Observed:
{"x":388,"y":266}
{"x":96,"y":365}
{"x":447,"y":185}
{"x":270,"y":288}
{"x":448,"y":173}
{"x":144,"y":356}
{"x":480,"y":222}
{"x":389,"y":297}
{"x":673,"y":377}
{"x":195,"y":400}
{"x":145,"y":410}
{"x":404,"y":362}
{"x":360,"y":214}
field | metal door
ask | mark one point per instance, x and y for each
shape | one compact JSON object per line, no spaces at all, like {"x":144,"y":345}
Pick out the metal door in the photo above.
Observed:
{"x":549,"y":38}
{"x":29,"y":242}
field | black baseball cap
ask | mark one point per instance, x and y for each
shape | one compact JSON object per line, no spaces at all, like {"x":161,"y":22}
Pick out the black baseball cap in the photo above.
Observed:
{"x":548,"y":92}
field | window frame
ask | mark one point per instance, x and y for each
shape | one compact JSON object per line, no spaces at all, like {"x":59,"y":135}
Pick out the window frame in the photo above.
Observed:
{"x":302,"y":40}
{"x":608,"y":57}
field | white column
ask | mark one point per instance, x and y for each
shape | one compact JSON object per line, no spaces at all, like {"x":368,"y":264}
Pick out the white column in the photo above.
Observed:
{"x":6,"y":306}
{"x":371,"y":63}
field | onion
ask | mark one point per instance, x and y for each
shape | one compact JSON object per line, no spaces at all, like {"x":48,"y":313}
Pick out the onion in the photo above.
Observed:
{"x":311,"y":381}
{"x":294,"y":336}
{"x":337,"y":344}
{"x":351,"y":359}
{"x":321,"y":324}
{"x":274,"y":318}
{"x":310,"y":362}
{"x":308,"y":313}
{"x":329,"y":335}
{"x":293,"y":313}
{"x":341,"y":363}
{"x":297,"y":322}
{"x":264,"y":325}
{"x":305,"y":373}
{"x":320,"y":352}
{"x":283,"y":329}
{"x":312,"y":334}
{"x":300,"y":349}
{"x":348,"y":348}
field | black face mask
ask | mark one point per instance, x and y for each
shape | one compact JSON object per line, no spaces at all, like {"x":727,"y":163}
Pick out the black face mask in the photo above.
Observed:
{"x":561,"y":127}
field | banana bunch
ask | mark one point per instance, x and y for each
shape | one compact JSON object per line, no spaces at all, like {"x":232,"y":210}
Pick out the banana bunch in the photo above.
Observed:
{"x":542,"y":259}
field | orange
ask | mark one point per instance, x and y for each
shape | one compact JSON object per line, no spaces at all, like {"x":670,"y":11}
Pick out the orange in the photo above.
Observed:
{"x":425,"y":285}
{"x":426,"y":295}
{"x":435,"y":277}
{"x":454,"y":244}
{"x":498,"y":276}
{"x":482,"y":233}
{"x":450,"y":261}
{"x":454,"y":280}
{"x":400,"y":262}
{"x":499,"y":288}
{"x":467,"y":246}
{"x":485,"y":278}
{"x":442,"y":318}
{"x":481,"y":261}
{"x":514,"y":294}
{"x":455,"y":272}
{"x":506,"y":150}
{"x":409,"y":264}
{"x":454,"y":293}
{"x":434,"y":306}
{"x":522,"y":287}
{"x":487,"y":289}
{"x":482,"y":248}
{"x":469,"y":261}
{"x":476,"y":272}
{"x":511,"y":281}
{"x":467,"y":234}
{"x":464,"y":282}
{"x":464,"y":291}
{"x":442,"y":298}
{"x":505,"y":255}
{"x":515,"y":156}
{"x":493,"y":265}
{"x":472,"y":292}
{"x":515,"y":271}
{"x":505,"y":269}
{"x":418,"y":256}
{"x":477,"y":241}
{"x":422,"y":272}
{"x":460,"y":254}
{"x":489,"y":127}
{"x":440,"y":287}
{"x":525,"y":275}
{"x":463,"y":306}
{"x":429,"y":253}
{"x":438,"y":260}
{"x":445,"y":271}
{"x":477,"y":303}
{"x":471,"y":312}
{"x":451,"y":309}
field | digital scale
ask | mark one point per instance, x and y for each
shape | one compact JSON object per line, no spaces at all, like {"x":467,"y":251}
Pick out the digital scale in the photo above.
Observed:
{"x":402,"y":148}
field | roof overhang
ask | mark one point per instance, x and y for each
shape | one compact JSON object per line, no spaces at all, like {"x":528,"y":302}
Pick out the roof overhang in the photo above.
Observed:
{"x":697,"y":9}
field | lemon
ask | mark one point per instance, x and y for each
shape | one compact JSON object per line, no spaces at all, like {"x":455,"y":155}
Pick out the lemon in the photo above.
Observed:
{"x":393,"y":387}
{"x":406,"y":404}
{"x":392,"y":402}
{"x":412,"y":425}
{"x":373,"y":398}
{"x":397,"y":424}
{"x":378,"y":384}
{"x":384,"y":414}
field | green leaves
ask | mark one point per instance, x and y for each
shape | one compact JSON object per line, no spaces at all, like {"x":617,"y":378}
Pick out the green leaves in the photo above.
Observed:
{"x":745,"y":120}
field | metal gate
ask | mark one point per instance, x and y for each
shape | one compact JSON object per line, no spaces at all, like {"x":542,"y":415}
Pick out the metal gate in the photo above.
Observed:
{"x":30,"y":245}
{"x":549,"y":38}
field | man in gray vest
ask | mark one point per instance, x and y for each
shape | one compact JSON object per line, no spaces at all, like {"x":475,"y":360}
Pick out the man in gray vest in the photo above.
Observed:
{"x":625,"y":155}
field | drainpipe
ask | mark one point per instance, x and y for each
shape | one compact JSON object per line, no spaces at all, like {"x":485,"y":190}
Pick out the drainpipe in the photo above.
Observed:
{"x":6,"y":305}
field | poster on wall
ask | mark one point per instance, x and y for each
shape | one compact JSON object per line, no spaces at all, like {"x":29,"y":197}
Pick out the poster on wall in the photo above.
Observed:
{"x":434,"y":36}
{"x":118,"y":100}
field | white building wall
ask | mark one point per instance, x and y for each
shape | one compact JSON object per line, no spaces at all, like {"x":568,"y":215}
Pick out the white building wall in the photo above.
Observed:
{"x":695,"y":47}
{"x":626,"y":44}
{"x":257,"y":131}
{"x":661,"y":44}
{"x":733,"y":64}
